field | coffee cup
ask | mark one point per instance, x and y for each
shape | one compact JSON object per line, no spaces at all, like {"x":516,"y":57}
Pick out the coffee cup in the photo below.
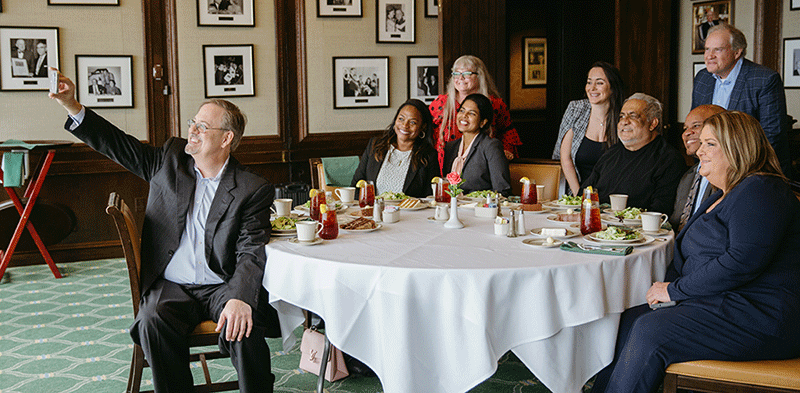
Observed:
{"x":307,"y":230}
{"x":282,"y":207}
{"x":618,"y":201}
{"x":652,"y":221}
{"x":442,"y":214}
{"x":346,"y":194}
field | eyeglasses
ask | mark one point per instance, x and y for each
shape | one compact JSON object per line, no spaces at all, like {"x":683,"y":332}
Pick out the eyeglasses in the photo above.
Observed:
{"x":632,"y":116}
{"x":202,"y":128}
{"x":464,"y":74}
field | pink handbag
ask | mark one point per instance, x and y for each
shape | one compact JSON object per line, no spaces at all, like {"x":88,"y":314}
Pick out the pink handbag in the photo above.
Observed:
{"x":311,"y":349}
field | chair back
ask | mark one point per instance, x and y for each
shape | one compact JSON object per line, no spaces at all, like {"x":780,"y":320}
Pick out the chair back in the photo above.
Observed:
{"x":131,"y":243}
{"x":543,"y":172}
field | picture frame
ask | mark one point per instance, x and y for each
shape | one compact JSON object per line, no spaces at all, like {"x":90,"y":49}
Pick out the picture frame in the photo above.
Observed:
{"x":360,"y":82}
{"x":720,"y":11}
{"x":431,"y":8}
{"x":104,"y":81}
{"x":423,"y":78}
{"x":24,"y":70}
{"x":794,"y":5}
{"x":83,"y":2}
{"x":791,"y":63}
{"x":339,"y":8}
{"x":395,"y":21}
{"x":232,"y":13}
{"x":697,"y":67}
{"x":228,"y":70}
{"x":534,"y":62}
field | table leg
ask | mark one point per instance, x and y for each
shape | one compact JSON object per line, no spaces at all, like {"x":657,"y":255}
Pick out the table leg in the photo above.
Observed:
{"x":324,"y":365}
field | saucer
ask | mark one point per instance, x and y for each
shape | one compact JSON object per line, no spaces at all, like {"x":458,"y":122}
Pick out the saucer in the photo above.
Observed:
{"x":542,"y":243}
{"x":316,"y":241}
{"x":659,"y":232}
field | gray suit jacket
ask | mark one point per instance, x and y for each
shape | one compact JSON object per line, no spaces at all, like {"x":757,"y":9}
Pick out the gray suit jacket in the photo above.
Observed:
{"x":683,"y":194}
{"x":237,"y":227}
{"x":486,"y":167}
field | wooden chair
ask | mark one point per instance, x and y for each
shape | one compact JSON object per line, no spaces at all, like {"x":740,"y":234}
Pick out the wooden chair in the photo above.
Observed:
{"x":203,"y":334}
{"x":544,"y":172}
{"x":318,"y":176}
{"x":765,"y":376}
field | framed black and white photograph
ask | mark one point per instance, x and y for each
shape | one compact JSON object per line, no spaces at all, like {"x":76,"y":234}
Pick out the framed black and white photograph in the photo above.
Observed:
{"x":706,"y":15}
{"x":360,"y":82}
{"x":534,"y":62}
{"x":343,"y":8}
{"x":431,"y":8}
{"x":697,"y":67}
{"x":794,"y":5}
{"x":104,"y":81}
{"x":791,"y":63}
{"x":25,"y":54}
{"x":423,"y":78}
{"x":394,"y":21}
{"x":228,"y":70}
{"x":82,"y":2}
{"x":225,"y":13}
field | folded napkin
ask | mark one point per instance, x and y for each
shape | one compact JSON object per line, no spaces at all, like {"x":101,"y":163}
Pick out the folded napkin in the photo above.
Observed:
{"x":604,"y":250}
{"x":12,"y":169}
{"x":339,"y":171}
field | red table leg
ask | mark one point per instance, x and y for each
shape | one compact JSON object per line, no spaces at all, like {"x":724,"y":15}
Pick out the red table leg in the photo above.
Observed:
{"x":32,"y":192}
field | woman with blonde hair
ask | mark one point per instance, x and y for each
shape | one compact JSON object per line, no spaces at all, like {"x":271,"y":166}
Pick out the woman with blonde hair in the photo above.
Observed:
{"x":469,"y":76}
{"x":734,"y":274}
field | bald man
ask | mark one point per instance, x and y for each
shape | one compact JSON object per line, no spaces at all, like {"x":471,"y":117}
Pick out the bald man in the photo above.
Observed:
{"x":686,"y":201}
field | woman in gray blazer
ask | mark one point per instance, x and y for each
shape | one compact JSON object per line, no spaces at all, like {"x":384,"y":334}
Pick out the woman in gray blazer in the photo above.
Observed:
{"x":478,"y":158}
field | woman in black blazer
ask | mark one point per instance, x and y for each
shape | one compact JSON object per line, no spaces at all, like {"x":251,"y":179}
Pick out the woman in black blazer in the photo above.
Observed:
{"x":478,"y":158}
{"x":402,"y":159}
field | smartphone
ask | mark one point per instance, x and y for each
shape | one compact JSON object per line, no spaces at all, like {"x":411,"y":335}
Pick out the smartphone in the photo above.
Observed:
{"x":662,"y":305}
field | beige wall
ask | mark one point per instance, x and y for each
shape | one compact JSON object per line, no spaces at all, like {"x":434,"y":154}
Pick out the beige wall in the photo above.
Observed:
{"x":82,"y":30}
{"x":743,"y":12}
{"x":262,"y":109}
{"x":332,"y":37}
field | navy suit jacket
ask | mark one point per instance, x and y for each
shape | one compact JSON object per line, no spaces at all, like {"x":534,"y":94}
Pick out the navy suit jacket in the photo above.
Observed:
{"x":418,"y":181}
{"x":758,"y":91}
{"x":238,"y":224}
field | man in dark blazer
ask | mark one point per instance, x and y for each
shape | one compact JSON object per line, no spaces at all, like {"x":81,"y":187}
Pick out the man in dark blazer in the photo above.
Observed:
{"x":203,"y":256}
{"x":687,"y":200}
{"x":735,"y":83}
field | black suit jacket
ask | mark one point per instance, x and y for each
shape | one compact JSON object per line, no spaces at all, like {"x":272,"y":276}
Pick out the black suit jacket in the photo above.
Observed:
{"x":486,"y":167}
{"x":418,"y":181}
{"x":684,"y":186}
{"x":237,"y":227}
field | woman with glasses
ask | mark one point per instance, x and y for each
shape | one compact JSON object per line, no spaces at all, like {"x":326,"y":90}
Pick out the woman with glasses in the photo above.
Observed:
{"x":589,"y":126}
{"x":469,"y":76}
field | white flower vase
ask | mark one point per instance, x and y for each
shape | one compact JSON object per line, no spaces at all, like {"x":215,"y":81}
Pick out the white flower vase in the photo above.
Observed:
{"x":454,"y":222}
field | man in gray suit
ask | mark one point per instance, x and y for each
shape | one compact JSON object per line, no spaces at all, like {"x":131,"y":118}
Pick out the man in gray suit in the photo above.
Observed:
{"x":203,"y":256}
{"x":687,"y":199}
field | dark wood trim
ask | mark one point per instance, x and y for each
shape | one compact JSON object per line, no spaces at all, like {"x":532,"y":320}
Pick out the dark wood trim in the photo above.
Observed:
{"x":159,"y":55}
{"x":767,"y":39}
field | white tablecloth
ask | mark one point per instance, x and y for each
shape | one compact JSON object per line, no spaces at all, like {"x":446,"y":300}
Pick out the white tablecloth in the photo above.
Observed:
{"x":431,"y":309}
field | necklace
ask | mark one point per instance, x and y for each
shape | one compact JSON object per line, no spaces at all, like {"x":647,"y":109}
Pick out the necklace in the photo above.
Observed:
{"x":397,"y":159}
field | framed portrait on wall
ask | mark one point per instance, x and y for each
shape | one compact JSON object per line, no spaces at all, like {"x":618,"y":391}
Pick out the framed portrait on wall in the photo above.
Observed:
{"x":697,"y":67}
{"x":360,"y":82}
{"x":104,"y":81}
{"x":534,"y":62}
{"x":394,"y":21}
{"x":25,"y":54}
{"x":706,"y":15}
{"x":791,"y":63}
{"x":228,"y":70}
{"x":225,"y":13}
{"x":431,"y":8}
{"x":82,"y":2}
{"x":423,"y":78}
{"x":793,"y":6}
{"x":343,"y":8}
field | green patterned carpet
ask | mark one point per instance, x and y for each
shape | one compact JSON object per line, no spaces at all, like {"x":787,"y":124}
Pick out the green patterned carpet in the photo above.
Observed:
{"x":71,"y":335}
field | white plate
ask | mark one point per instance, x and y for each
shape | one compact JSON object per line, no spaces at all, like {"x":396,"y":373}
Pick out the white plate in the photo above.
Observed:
{"x":422,"y":205}
{"x":433,"y":219}
{"x":288,"y":233}
{"x":339,"y":207}
{"x":542,"y":243}
{"x":597,"y":239}
{"x":660,"y":232}
{"x":393,"y":201}
{"x":377,"y":226}
{"x":641,"y":242}
{"x":610,"y":219}
{"x":578,"y":226}
{"x":557,"y":221}
{"x":316,"y":241}
{"x":570,"y":233}
{"x":357,"y":214}
{"x":544,"y":210}
{"x":469,"y":199}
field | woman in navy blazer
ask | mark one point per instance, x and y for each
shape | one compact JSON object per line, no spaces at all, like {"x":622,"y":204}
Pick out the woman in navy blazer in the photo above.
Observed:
{"x":406,"y":143}
{"x":735,"y":273}
{"x":478,"y":158}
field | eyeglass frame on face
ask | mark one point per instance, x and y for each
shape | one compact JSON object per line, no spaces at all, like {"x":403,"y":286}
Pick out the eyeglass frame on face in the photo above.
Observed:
{"x":632,"y":116}
{"x":202,"y":128}
{"x":464,"y":74}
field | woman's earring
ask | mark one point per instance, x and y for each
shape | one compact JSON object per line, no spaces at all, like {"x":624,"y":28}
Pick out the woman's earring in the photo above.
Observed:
{"x":422,"y":135}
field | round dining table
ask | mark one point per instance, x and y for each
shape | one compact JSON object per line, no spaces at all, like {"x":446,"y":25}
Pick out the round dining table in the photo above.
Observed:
{"x":432,"y":309}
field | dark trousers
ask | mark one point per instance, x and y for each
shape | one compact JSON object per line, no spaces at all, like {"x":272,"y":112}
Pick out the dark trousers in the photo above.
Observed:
{"x":650,"y":340}
{"x":168,"y":312}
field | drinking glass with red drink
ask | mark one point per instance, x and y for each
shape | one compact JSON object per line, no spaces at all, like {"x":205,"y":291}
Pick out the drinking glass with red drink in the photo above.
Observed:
{"x":440,"y":195}
{"x":366,"y":196}
{"x":317,"y":199}
{"x":529,"y":192}
{"x":330,"y":225}
{"x":590,"y":212}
